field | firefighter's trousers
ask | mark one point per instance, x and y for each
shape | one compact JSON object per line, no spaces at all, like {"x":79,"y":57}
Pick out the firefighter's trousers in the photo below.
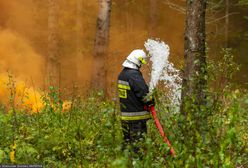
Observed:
{"x":134,"y":134}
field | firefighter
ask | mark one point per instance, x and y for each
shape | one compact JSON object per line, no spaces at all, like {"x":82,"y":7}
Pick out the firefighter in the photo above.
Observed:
{"x":133,"y":92}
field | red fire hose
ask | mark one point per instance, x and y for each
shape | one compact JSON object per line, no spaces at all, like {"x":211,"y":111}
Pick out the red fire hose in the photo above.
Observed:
{"x":154,"y":114}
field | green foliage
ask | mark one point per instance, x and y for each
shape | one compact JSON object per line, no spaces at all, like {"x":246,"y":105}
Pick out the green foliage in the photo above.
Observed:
{"x":81,"y":136}
{"x":89,"y":134}
{"x":243,"y":2}
{"x":212,"y":135}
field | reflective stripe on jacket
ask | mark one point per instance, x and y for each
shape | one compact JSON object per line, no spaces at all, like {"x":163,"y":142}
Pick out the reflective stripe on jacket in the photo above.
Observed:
{"x":140,"y":115}
{"x":132,"y":89}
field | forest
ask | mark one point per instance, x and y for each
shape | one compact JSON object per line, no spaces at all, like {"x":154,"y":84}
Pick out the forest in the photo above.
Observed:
{"x":60,"y":100}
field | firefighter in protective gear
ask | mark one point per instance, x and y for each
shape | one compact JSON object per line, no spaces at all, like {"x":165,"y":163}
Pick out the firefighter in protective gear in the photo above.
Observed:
{"x":132,"y":90}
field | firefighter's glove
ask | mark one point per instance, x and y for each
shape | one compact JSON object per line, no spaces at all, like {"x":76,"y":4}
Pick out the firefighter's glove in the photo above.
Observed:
{"x":149,"y":100}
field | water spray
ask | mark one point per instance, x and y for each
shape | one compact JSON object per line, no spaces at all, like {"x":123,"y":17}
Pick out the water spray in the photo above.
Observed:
{"x":163,"y":70}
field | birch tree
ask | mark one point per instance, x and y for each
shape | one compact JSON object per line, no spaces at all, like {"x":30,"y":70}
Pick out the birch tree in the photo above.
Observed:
{"x":79,"y":38}
{"x":193,"y":106}
{"x":153,"y":18}
{"x":53,"y":43}
{"x":2,"y":15}
{"x":194,"y":77}
{"x":101,"y":45}
{"x":227,"y":23}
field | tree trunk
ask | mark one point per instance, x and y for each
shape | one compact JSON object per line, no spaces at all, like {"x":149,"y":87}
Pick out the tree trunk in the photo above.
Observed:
{"x":193,"y":105}
{"x":194,"y":77}
{"x":79,"y":38}
{"x":227,"y":24}
{"x":153,"y":18}
{"x":101,"y":45}
{"x":53,"y":65}
{"x":2,"y":15}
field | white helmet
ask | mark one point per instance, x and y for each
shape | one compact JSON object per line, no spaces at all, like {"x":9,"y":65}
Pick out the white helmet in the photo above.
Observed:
{"x":135,"y":59}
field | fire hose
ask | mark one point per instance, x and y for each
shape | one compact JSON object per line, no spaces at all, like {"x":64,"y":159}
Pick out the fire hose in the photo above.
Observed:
{"x":159,"y":126}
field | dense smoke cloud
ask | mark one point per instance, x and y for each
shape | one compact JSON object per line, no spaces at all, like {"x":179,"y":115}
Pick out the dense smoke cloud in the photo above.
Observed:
{"x":19,"y":58}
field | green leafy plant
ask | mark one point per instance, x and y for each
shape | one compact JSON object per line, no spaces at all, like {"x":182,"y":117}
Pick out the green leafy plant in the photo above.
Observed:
{"x":89,"y":133}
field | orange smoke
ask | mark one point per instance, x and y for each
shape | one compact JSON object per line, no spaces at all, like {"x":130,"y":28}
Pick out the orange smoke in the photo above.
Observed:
{"x":23,"y":97}
{"x":18,"y":57}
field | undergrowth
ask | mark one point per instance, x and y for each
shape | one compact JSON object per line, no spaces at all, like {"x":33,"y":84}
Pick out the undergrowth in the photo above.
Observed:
{"x":89,"y":133}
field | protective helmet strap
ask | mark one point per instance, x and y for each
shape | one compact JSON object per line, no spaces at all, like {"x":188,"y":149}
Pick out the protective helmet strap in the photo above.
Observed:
{"x":142,"y":60}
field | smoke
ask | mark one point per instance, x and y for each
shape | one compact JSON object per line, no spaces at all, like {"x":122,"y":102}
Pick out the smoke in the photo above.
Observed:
{"x":23,"y":49}
{"x":19,"y":59}
{"x":17,"y":92}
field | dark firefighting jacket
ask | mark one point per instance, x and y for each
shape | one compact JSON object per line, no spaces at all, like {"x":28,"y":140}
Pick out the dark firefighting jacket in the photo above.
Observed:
{"x":132,"y":90}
